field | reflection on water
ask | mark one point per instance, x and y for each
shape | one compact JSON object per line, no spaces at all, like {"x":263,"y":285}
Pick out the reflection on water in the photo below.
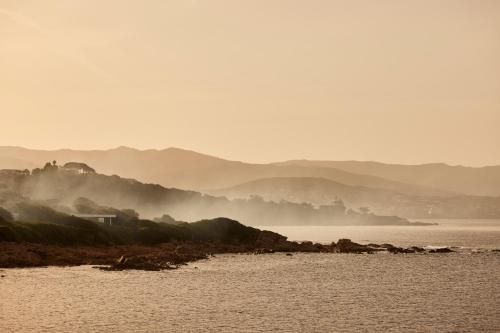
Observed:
{"x":457,"y":292}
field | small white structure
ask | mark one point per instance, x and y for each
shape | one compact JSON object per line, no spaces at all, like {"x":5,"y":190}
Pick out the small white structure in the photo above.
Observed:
{"x":107,"y":219}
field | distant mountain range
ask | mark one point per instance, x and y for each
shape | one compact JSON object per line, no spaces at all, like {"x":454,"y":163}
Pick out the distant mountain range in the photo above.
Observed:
{"x":459,"y":179}
{"x":404,"y":190}
{"x":185,"y":169}
{"x":320,"y":191}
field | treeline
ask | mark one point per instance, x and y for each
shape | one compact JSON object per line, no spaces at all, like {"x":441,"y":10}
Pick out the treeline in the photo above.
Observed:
{"x":40,"y":224}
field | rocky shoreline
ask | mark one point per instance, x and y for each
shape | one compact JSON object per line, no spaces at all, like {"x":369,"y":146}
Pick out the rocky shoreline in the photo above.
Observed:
{"x":170,"y":255}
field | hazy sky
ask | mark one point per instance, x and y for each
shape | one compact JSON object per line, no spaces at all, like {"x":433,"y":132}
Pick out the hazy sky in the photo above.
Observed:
{"x":257,"y":80}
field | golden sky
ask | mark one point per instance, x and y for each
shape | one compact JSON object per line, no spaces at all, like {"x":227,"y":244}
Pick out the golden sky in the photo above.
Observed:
{"x":258,"y":80}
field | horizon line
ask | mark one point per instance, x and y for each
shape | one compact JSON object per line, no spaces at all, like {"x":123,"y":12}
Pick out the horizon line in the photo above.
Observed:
{"x":233,"y":160}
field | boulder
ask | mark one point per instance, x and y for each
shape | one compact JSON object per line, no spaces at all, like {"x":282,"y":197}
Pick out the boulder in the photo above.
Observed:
{"x":441,"y":250}
{"x":348,"y":246}
{"x":397,"y":250}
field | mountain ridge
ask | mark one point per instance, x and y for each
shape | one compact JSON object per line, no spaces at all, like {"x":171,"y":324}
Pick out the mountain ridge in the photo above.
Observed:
{"x":321,"y":191}
{"x":483,"y":181}
{"x":185,"y":169}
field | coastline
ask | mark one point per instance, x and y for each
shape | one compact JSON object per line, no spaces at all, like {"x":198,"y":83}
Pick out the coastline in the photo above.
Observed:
{"x":170,"y":255}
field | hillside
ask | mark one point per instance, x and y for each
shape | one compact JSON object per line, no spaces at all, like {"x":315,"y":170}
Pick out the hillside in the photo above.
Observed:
{"x":320,"y":191}
{"x":184,"y":169}
{"x":59,"y":189}
{"x":68,"y":230}
{"x":467,"y":180}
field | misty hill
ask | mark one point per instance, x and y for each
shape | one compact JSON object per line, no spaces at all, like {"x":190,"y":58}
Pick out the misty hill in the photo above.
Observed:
{"x":320,"y":191}
{"x":190,"y":170}
{"x":468,"y":180}
{"x":59,"y":188}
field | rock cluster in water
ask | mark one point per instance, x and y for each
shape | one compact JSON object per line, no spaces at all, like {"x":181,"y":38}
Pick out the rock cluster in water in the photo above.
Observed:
{"x":348,"y":246}
{"x":173,"y":255}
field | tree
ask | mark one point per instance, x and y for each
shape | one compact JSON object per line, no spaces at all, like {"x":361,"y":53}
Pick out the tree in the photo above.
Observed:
{"x":166,"y":219}
{"x":50,"y":166}
{"x":130,"y":212}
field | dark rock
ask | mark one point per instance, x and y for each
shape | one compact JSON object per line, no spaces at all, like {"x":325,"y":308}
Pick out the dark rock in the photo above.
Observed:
{"x":417,"y":249}
{"x":321,"y":248}
{"x":397,"y":250}
{"x":441,"y":250}
{"x":348,"y":246}
{"x":307,"y":247}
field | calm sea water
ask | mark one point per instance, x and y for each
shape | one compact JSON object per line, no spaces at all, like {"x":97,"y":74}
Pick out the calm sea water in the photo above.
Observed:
{"x":458,"y":292}
{"x":483,"y":234}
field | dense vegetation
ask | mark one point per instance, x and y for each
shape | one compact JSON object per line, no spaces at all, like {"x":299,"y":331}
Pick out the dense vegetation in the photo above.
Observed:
{"x":128,"y":229}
